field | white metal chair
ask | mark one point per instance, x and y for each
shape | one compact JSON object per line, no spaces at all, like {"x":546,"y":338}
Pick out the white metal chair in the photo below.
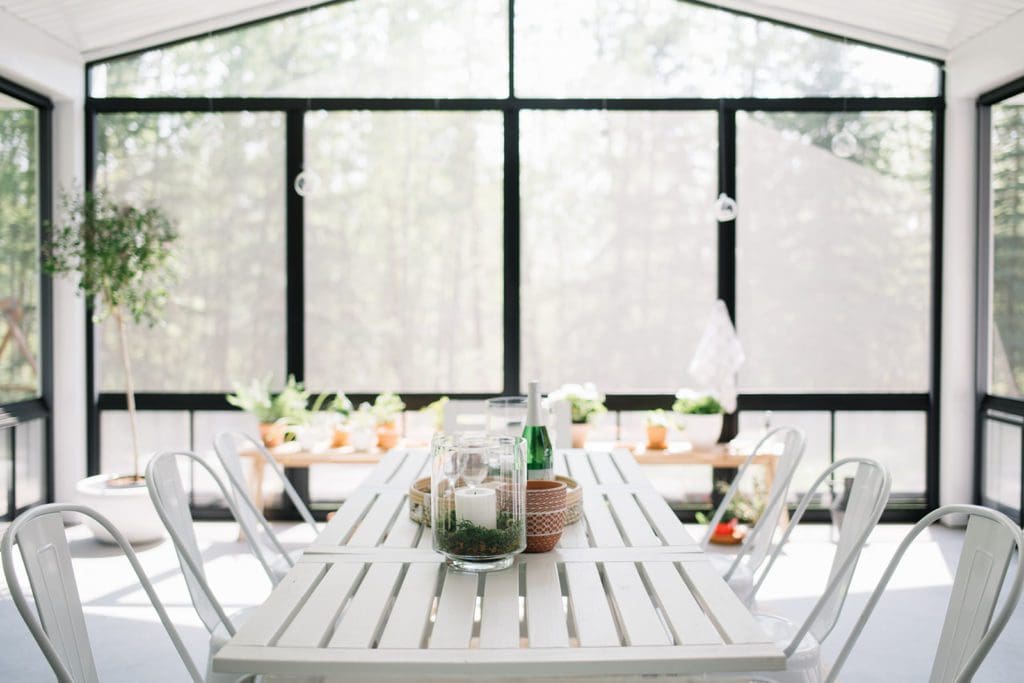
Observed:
{"x":802,"y":644}
{"x":226,"y":445}
{"x":969,"y":630}
{"x":171,"y":502}
{"x":60,"y":628}
{"x":462,"y":415}
{"x":738,"y":570}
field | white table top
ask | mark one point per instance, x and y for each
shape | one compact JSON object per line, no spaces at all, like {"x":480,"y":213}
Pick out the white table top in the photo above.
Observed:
{"x":627,"y":592}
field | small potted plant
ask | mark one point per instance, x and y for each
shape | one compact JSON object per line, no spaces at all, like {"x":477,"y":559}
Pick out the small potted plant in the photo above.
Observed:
{"x":342,"y":407}
{"x":121,"y":255}
{"x":744,"y":510}
{"x":700,"y":417}
{"x":586,"y":403}
{"x":386,"y":409}
{"x":362,"y":423}
{"x":657,"y":429}
{"x":276,"y":414}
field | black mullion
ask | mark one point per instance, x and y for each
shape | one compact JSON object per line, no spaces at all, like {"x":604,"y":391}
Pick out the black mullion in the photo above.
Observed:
{"x":294,"y":256}
{"x":932,"y":462}
{"x":727,"y":235}
{"x":46,"y":291}
{"x":511,"y":244}
{"x":230,"y":104}
{"x":982,"y":273}
{"x":511,"y":32}
{"x":92,"y":409}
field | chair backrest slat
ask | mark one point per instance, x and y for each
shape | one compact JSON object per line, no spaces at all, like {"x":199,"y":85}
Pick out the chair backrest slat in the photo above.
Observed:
{"x":984,"y":559}
{"x":868,"y":497}
{"x":47,"y":560}
{"x":171,"y":498}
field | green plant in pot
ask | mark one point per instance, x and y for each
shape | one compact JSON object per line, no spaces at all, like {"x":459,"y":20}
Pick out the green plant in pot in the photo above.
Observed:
{"x":435,"y":410}
{"x":657,"y":423}
{"x":744,"y":508}
{"x":700,"y":417}
{"x":386,"y":409}
{"x":276,"y":413}
{"x":586,"y":403}
{"x":122,"y":257}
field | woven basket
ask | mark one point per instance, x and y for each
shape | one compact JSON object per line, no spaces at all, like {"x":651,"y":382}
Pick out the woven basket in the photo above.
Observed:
{"x":419,"y":501}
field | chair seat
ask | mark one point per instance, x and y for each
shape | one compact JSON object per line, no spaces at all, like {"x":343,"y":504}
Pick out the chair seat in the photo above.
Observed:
{"x":742,"y":580}
{"x":803,"y":666}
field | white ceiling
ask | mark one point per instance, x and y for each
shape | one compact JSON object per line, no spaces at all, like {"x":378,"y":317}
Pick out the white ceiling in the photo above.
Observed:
{"x":101,"y":28}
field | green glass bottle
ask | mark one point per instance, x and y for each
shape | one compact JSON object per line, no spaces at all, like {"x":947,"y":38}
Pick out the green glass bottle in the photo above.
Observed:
{"x":538,"y":443}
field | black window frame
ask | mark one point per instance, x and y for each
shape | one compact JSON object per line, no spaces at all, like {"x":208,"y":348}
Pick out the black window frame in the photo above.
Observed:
{"x":908,"y":508}
{"x":990,"y":407}
{"x":18,"y":413}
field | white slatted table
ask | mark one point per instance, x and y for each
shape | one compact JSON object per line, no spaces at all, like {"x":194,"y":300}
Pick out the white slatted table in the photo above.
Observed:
{"x":628,"y":592}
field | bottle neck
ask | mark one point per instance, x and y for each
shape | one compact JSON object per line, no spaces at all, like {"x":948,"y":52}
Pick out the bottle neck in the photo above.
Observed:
{"x":533,"y":414}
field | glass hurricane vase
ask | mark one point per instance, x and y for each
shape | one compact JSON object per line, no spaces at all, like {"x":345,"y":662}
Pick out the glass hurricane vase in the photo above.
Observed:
{"x":478,"y":499}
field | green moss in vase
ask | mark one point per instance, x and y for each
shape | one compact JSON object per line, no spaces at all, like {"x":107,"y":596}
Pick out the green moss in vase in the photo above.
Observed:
{"x":463,"y":538}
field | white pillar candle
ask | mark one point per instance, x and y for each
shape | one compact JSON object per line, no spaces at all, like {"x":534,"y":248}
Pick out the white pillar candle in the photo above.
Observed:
{"x":477,"y":505}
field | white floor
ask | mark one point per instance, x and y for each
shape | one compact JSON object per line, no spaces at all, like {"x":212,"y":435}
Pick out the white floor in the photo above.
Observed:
{"x":131,"y":646}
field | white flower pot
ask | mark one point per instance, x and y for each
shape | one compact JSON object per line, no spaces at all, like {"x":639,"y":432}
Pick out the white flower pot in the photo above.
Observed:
{"x":129,"y":508}
{"x":702,"y":431}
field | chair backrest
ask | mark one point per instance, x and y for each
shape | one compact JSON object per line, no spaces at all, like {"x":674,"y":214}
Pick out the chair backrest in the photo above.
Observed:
{"x":758,"y":541}
{"x":465,"y":415}
{"x":60,"y":627}
{"x":226,"y":445}
{"x":869,"y":495}
{"x":969,"y":629}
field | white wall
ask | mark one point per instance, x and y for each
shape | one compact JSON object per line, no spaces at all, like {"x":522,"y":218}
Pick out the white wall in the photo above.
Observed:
{"x":35,"y":60}
{"x":987,"y":61}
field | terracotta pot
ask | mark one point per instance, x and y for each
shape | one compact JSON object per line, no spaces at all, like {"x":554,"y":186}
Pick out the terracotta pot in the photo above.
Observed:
{"x":340,"y":438}
{"x":545,"y":514}
{"x":272,"y":433}
{"x":579,"y":434}
{"x":387,"y":436}
{"x":657,"y":437}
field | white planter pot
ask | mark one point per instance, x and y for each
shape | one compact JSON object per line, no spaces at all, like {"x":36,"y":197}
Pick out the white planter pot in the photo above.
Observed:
{"x":128,"y":508}
{"x":702,"y":431}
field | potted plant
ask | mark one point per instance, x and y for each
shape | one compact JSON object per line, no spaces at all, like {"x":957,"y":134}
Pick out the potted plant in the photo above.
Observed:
{"x":586,"y":403}
{"x":701,"y":417}
{"x":275,"y":413}
{"x":386,"y":409}
{"x":362,"y":433}
{"x":744,"y":510}
{"x":342,"y":407}
{"x":122,"y":257}
{"x":657,"y":429}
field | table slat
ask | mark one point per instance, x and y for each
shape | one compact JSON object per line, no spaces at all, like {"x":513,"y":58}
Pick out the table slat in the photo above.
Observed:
{"x":672,"y":532}
{"x":592,"y":616}
{"x":404,"y":533}
{"x":348,"y":514}
{"x":316,"y":617}
{"x":630,"y":469}
{"x":409,"y":471}
{"x":688,"y":621}
{"x":284,"y":601}
{"x":733,"y":619}
{"x":499,"y":621}
{"x":377,"y":520}
{"x":574,"y":536}
{"x":579,"y":467}
{"x":545,"y":618}
{"x":603,"y":531}
{"x":635,"y":525}
{"x":363,"y":617}
{"x":607,"y":472}
{"x":640,"y":622}
{"x":411,"y":613}
{"x":558,"y":458}
{"x":456,"y":611}
{"x":389,"y":462}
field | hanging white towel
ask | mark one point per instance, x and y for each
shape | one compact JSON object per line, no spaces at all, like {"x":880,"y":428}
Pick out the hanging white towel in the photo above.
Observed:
{"x":718,"y":357}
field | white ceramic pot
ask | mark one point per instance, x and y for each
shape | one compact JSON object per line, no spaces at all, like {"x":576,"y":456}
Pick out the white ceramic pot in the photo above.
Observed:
{"x":702,"y":431}
{"x":129,"y":508}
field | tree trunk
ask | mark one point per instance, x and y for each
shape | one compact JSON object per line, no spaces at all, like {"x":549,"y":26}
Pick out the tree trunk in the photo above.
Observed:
{"x":129,"y":388}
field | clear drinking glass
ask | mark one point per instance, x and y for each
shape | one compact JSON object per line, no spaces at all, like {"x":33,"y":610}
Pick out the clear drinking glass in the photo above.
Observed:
{"x":506,"y":415}
{"x":478,"y":499}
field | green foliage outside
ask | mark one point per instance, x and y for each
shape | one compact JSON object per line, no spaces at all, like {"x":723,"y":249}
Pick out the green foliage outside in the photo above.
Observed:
{"x":696,"y":404}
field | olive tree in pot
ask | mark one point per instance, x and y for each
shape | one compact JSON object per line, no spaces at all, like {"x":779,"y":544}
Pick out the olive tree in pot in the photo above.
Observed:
{"x":121,"y":255}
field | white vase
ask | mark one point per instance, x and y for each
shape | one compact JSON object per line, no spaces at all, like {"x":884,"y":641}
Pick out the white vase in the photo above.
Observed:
{"x":702,"y":431}
{"x":128,"y":508}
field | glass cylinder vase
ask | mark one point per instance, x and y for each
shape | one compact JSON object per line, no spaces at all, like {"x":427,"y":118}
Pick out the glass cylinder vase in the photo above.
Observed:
{"x":478,"y":499}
